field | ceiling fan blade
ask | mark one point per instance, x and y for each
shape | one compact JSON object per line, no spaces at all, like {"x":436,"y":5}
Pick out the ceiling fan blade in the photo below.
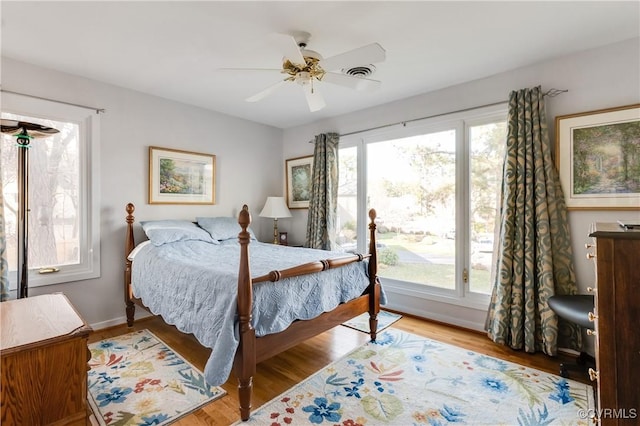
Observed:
{"x":289,"y":48}
{"x":315,"y":100}
{"x":264,"y":70}
{"x":266,"y":92}
{"x":357,"y":83}
{"x":364,"y":55}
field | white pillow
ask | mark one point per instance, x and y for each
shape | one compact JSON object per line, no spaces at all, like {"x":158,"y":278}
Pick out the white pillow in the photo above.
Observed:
{"x":168,"y":231}
{"x":222,"y":228}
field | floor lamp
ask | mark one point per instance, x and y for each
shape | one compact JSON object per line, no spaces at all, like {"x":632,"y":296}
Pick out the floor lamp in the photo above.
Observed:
{"x":24,"y":132}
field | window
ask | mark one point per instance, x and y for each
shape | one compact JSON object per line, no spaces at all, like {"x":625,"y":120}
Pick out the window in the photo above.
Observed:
{"x":436,"y":190}
{"x":64,"y":232}
{"x":487,"y":143}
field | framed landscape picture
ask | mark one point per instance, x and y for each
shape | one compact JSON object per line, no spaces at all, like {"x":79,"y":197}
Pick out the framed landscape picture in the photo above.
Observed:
{"x":598,"y":158}
{"x":299,"y":174}
{"x":181,"y":177}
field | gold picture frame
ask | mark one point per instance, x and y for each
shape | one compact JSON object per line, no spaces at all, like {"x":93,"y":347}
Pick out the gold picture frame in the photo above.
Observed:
{"x":299,"y":172}
{"x":181,"y":177}
{"x":598,"y":158}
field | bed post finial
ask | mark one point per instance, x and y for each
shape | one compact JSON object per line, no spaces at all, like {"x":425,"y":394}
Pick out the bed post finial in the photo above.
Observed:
{"x":244,"y":218}
{"x":373,"y":215}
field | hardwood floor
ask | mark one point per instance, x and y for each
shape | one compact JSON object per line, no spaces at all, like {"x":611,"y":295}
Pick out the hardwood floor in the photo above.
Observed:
{"x":283,"y":371}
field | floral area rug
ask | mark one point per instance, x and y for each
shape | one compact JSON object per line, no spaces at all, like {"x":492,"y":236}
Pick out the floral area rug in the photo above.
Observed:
{"x":404,"y":379}
{"x":361,"y":322}
{"x":137,"y":379}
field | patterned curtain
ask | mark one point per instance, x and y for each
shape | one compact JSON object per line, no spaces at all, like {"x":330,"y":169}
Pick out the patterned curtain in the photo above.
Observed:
{"x":4,"y":266}
{"x":535,"y":256}
{"x":323,"y":204}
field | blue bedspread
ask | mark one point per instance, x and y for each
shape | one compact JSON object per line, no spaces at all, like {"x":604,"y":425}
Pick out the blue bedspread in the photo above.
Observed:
{"x":193,"y":285}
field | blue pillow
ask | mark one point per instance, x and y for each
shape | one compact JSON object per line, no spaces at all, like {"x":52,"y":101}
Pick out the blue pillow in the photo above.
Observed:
{"x":168,"y":231}
{"x":222,"y":228}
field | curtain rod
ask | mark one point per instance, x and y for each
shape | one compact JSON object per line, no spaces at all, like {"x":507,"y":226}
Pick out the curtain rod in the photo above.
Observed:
{"x":550,"y":93}
{"x":97,"y":110}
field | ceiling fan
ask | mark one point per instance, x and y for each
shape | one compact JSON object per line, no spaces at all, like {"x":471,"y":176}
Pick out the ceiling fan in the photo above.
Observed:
{"x":308,"y":68}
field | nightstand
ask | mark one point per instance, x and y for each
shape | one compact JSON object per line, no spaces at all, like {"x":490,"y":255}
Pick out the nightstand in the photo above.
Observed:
{"x":44,"y":362}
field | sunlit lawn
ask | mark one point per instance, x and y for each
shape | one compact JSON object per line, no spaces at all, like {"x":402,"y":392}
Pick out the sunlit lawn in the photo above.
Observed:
{"x":434,"y":274}
{"x":418,"y":243}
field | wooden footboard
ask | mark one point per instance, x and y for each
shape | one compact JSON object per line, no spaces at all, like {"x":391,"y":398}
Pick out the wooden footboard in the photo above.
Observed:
{"x":252,"y":349}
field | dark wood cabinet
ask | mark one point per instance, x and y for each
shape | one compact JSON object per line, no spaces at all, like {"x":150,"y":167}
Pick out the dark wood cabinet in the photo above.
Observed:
{"x":617,"y":322}
{"x":44,"y":362}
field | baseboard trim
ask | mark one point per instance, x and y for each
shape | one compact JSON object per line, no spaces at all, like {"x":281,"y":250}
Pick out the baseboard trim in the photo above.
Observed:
{"x":109,"y":323}
{"x":444,"y":319}
{"x":569,"y":352}
{"x":118,"y":321}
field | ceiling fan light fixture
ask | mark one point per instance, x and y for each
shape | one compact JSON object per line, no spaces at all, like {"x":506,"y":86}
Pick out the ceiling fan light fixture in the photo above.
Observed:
{"x":303,"y":78}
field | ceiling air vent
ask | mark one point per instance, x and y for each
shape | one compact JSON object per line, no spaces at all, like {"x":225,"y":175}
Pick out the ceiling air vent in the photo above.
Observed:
{"x":362,"y":71}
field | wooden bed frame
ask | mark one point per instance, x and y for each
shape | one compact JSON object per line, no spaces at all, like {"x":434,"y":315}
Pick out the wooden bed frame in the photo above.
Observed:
{"x":253,"y":349}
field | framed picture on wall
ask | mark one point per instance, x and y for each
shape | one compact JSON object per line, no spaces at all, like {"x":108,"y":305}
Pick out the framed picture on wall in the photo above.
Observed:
{"x":598,"y":158}
{"x":181,"y":177}
{"x":299,"y":174}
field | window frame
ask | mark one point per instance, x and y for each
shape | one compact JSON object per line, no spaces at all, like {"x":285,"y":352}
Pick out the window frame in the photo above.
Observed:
{"x":88,"y":122}
{"x":461,"y":122}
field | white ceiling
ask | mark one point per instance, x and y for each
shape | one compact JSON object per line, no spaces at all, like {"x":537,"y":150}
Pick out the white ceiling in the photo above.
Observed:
{"x":174,"y":49}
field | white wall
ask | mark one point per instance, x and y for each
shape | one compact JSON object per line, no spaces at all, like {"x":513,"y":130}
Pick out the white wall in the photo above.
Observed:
{"x":246,"y":153}
{"x":600,"y":78}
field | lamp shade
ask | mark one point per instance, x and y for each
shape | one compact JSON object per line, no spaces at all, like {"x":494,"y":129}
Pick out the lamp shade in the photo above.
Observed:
{"x":275,"y":207}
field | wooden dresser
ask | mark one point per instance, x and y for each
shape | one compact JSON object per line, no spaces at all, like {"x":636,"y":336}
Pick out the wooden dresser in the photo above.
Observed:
{"x":44,"y":362}
{"x":617,"y":324}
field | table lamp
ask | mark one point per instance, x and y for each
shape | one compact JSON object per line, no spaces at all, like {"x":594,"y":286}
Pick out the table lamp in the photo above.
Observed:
{"x":275,"y":207}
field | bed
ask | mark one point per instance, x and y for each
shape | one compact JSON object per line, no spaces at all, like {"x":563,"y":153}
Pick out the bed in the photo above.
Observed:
{"x":243,"y":317}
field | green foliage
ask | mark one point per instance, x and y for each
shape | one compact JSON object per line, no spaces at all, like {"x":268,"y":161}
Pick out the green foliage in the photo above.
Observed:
{"x":428,"y":161}
{"x":350,"y":225}
{"x":397,"y":189}
{"x":388,"y":257}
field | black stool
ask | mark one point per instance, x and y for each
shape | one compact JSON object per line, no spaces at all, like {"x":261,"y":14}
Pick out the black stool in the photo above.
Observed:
{"x":575,"y":308}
